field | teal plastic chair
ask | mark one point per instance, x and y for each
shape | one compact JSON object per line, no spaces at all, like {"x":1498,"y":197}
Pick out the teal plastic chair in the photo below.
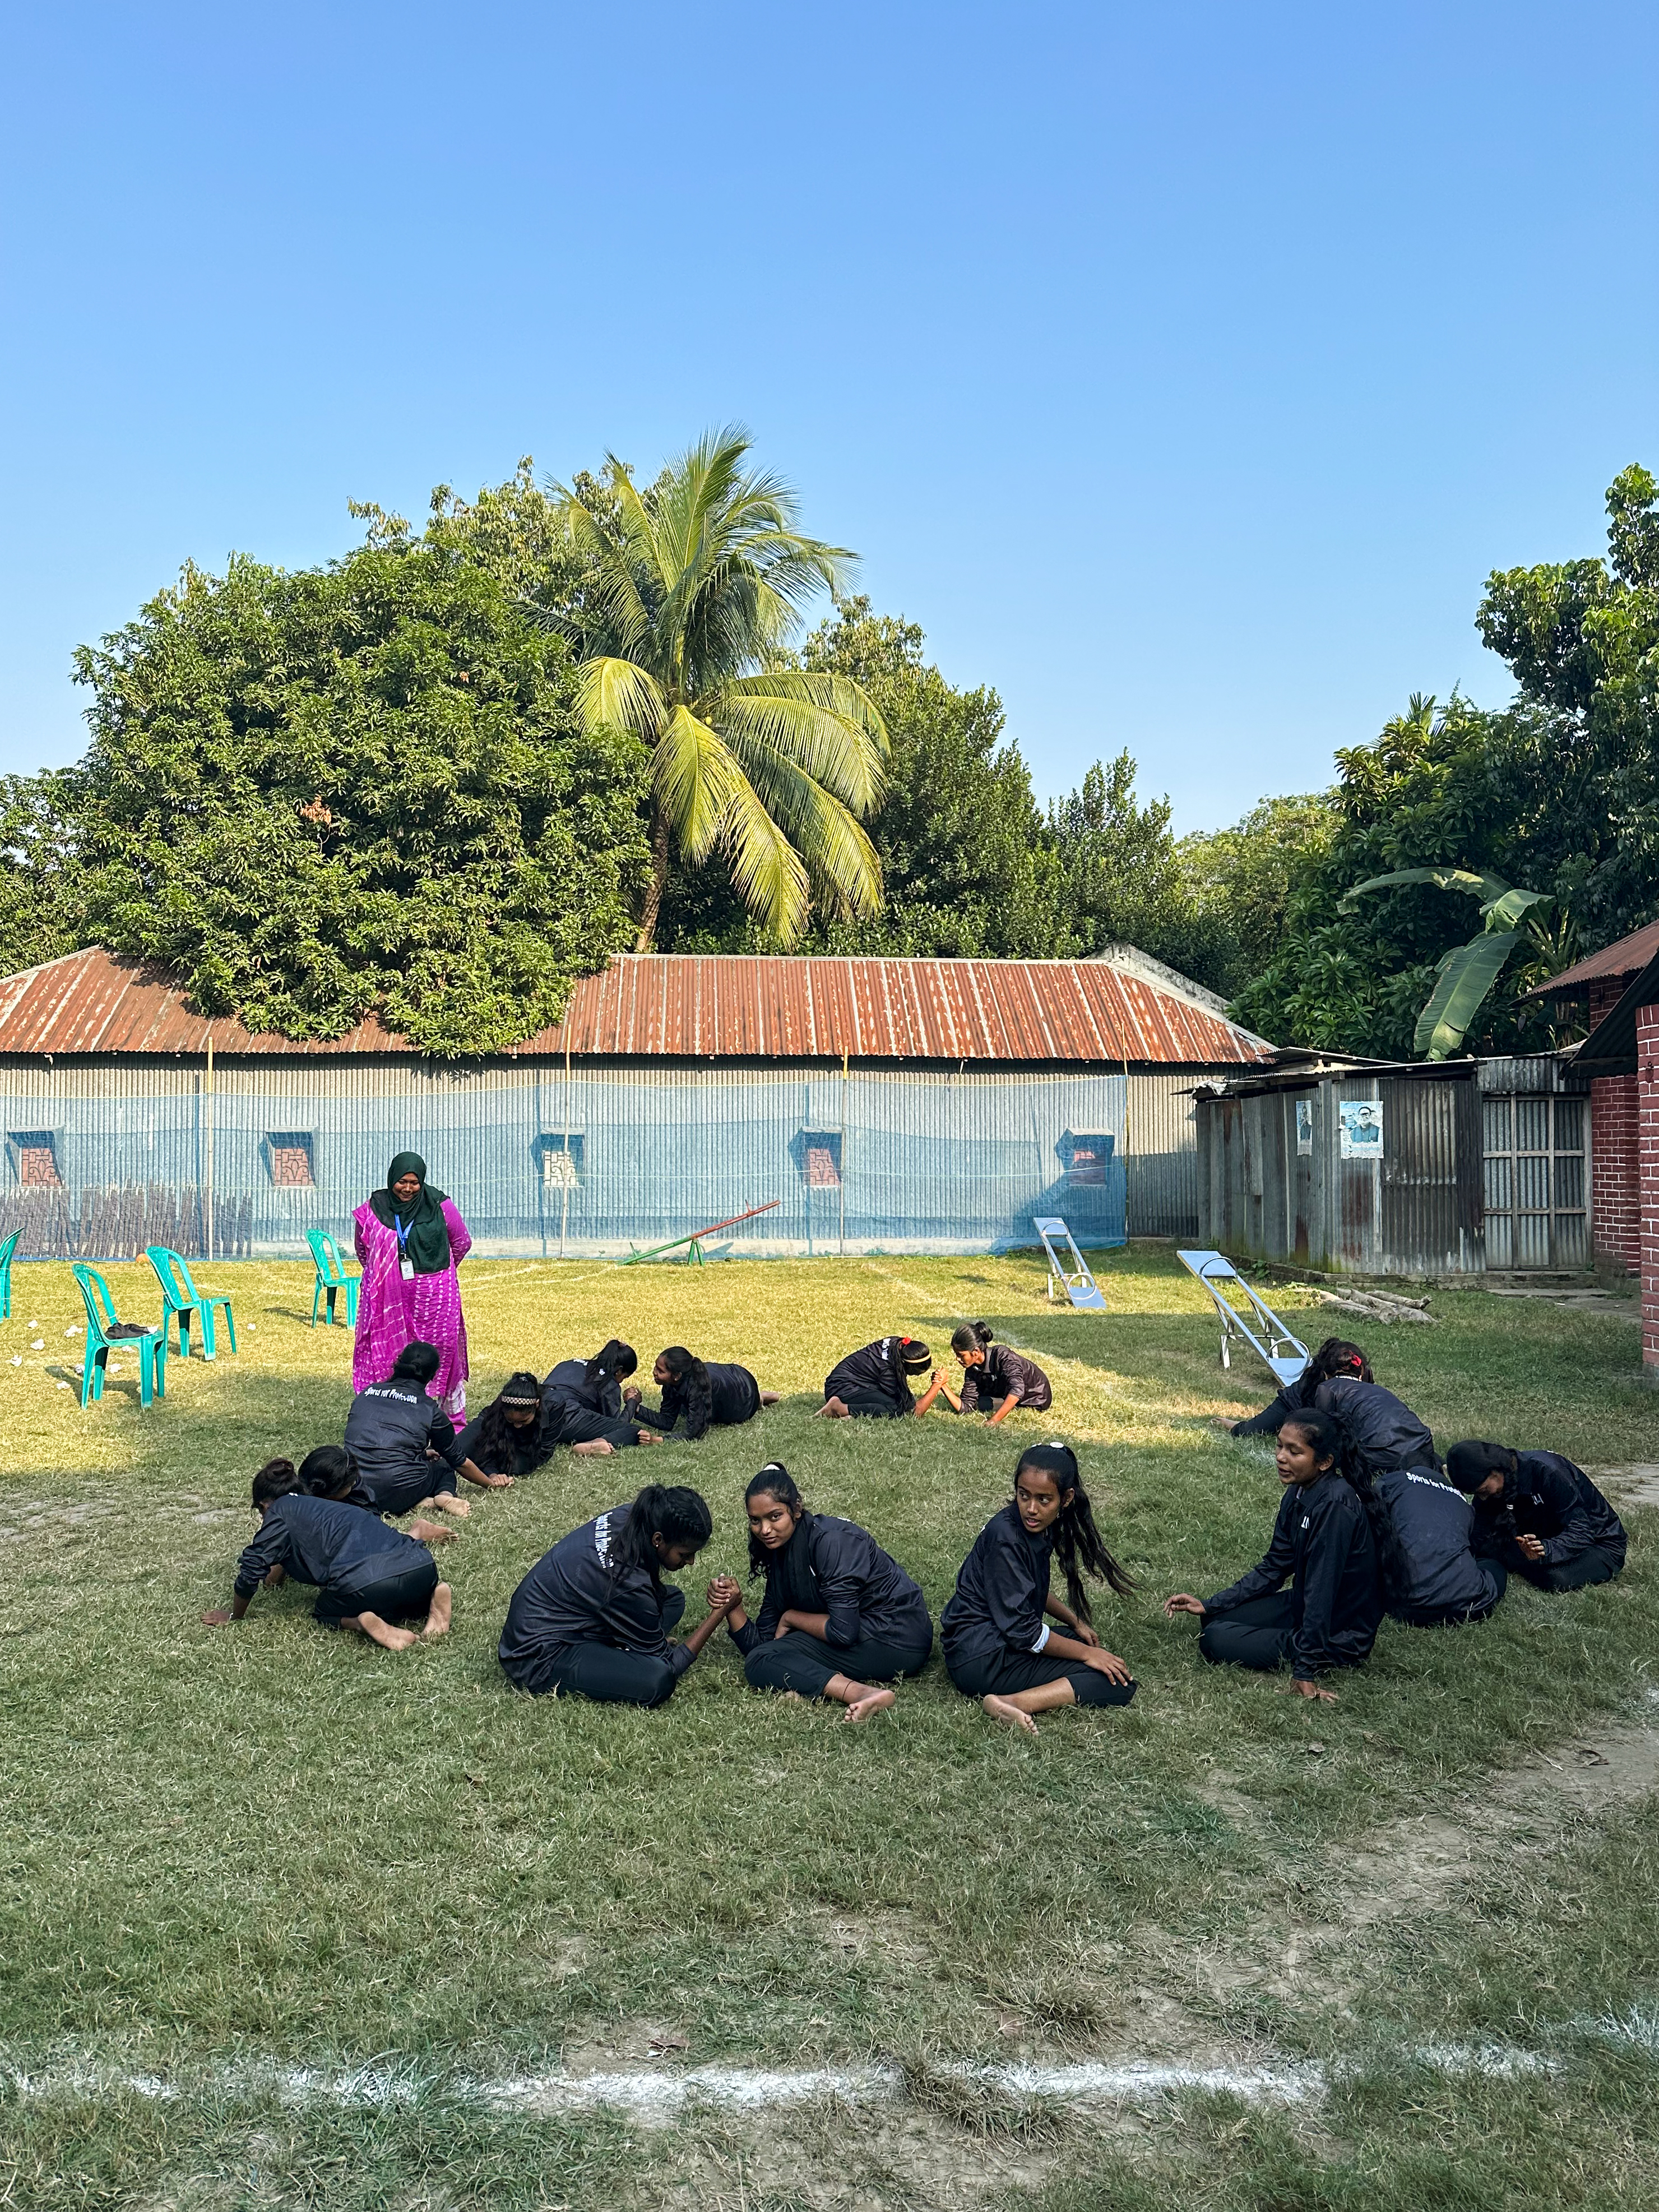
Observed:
{"x":105,"y":1333}
{"x":180,"y":1299}
{"x":6,"y":1251}
{"x":331,"y":1278}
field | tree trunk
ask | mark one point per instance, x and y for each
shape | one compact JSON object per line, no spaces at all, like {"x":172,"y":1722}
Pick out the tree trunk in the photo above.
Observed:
{"x":657,"y":884}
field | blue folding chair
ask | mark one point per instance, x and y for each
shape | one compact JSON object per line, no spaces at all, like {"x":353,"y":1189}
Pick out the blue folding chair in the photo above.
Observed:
{"x":6,"y":1251}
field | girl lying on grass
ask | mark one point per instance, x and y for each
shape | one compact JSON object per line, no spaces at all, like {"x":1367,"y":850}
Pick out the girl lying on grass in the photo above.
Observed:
{"x":403,"y":1444}
{"x":525,"y":1423}
{"x":997,"y":1646}
{"x":1538,"y":1515}
{"x":369,"y":1578}
{"x":596,"y":1384}
{"x":994,"y":1378}
{"x":839,"y":1617}
{"x":1324,"y":1543}
{"x":592,"y":1618}
{"x":874,"y":1384}
{"x":711,"y":1394}
{"x":1382,"y":1430}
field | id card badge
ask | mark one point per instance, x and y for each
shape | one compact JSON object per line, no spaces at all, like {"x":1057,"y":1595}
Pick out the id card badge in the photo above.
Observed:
{"x":406,"y":1269}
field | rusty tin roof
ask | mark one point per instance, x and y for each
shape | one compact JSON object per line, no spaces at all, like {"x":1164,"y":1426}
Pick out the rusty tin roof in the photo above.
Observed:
{"x":693,"y":1007}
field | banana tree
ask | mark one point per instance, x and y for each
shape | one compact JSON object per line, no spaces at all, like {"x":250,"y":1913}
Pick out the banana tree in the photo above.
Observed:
{"x":1467,"y":972}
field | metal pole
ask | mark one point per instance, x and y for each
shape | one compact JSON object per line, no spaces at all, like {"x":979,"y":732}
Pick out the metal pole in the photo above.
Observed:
{"x":207,"y":1134}
{"x":841,"y":1180}
{"x":564,"y":1182}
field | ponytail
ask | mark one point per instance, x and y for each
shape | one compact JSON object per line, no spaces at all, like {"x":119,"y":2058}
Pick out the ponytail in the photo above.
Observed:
{"x":688,"y":1392}
{"x":973,"y":1336}
{"x":1336,"y":1358}
{"x":276,"y":1479}
{"x":612,"y":1357}
{"x":677,"y":1514}
{"x":328,"y":1472}
{"x":1078,"y":1542}
{"x":774,"y":1480}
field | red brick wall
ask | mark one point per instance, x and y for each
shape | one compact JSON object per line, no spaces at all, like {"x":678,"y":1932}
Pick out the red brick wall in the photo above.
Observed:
{"x":1615,"y":1165}
{"x":1647,"y":1077}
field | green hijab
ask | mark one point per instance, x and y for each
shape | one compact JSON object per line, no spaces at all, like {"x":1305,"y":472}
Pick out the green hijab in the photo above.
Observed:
{"x":422,"y":1232}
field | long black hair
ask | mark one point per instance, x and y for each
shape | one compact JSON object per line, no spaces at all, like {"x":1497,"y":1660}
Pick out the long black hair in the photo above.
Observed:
{"x":1327,"y":1433}
{"x":973,"y":1336}
{"x":613,"y":1357}
{"x":277,"y":1478}
{"x":1077,"y":1543}
{"x":498,"y":1440}
{"x":774,"y":1480}
{"x":1337,"y":1357}
{"x":327,"y":1472}
{"x":418,"y":1363}
{"x":687,"y":1390}
{"x":1468,"y":1465}
{"x":677,"y":1514}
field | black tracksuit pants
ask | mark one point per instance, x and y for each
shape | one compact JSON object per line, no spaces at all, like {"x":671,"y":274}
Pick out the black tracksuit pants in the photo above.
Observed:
{"x":808,"y":1665}
{"x":407,"y":1596}
{"x":978,"y":1674}
{"x":1594,"y":1564}
{"x":608,"y":1675}
{"x":1256,"y":1634}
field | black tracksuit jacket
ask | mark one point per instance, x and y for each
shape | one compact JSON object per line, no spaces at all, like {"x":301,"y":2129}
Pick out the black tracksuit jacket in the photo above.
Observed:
{"x":1552,"y":1499}
{"x":1386,"y":1432}
{"x":1322,"y":1540}
{"x":834,"y":1567}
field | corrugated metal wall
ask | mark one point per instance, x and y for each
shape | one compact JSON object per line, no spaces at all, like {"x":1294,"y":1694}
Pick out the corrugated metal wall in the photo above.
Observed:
{"x":1161,"y":1150}
{"x":899,"y":1161}
{"x":1273,"y":1190}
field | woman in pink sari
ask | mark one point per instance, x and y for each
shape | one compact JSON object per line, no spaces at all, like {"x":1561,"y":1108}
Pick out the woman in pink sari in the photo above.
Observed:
{"x":410,"y":1239}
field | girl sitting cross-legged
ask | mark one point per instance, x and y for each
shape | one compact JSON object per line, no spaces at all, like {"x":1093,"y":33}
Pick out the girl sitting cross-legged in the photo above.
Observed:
{"x":997,"y":1645}
{"x":1324,"y":1545}
{"x":369,"y":1577}
{"x":839,"y":1617}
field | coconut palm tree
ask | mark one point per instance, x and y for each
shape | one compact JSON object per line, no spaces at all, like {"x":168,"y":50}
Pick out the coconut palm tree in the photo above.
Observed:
{"x":696,"y":588}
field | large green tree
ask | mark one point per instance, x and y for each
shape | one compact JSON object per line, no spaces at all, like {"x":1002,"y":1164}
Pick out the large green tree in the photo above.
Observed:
{"x":363,"y":786}
{"x":698,"y":587}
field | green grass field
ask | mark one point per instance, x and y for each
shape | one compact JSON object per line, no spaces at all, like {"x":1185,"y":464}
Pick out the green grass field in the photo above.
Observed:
{"x":281,"y":1914}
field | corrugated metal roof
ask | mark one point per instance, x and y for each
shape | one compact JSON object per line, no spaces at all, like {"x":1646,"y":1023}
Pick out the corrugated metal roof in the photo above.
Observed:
{"x":1627,"y":957}
{"x":688,"y":1006}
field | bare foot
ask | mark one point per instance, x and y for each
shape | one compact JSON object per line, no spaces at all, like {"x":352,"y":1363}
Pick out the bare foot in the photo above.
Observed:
{"x":432,"y":1532}
{"x":868,"y":1702}
{"x":444,"y":1501}
{"x":830,"y":1410}
{"x":215,"y":1620}
{"x":381,"y":1631}
{"x":791,"y":1697}
{"x":1006,"y":1710}
{"x":770,"y":1397}
{"x":443,"y":1604}
{"x":650,"y":1437}
{"x":595,"y":1447}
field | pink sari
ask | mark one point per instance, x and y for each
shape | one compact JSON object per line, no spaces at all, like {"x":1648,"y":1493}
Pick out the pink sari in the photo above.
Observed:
{"x":392,"y":1313}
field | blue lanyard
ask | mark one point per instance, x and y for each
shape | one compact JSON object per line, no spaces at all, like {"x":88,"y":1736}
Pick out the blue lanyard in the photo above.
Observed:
{"x":403,"y":1233}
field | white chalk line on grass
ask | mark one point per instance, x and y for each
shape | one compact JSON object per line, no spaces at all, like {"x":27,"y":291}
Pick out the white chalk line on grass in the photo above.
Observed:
{"x":661,"y":2095}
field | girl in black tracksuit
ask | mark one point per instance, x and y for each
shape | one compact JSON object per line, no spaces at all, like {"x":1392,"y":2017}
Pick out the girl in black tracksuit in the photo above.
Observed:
{"x":1538,"y":1515}
{"x":392,"y":1431}
{"x":995,"y":1378}
{"x":1323,"y":1543}
{"x":528,"y":1423}
{"x":592,"y":1618}
{"x":709,"y":1393}
{"x":997,"y":1642}
{"x":1382,"y":1430}
{"x":838,"y":1615}
{"x":595,"y":1384}
{"x":874,"y":1384}
{"x":368,"y":1577}
{"x":1430,"y":1576}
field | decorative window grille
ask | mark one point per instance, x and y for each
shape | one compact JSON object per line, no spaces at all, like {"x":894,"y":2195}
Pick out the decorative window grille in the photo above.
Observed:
{"x":34,"y":1153}
{"x":289,"y":1151}
{"x":820,"y":1159}
{"x":562,"y":1162}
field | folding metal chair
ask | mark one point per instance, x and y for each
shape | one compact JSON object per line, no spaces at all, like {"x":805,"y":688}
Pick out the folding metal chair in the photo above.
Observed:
{"x":1080,"y":1285}
{"x":1286,"y":1355}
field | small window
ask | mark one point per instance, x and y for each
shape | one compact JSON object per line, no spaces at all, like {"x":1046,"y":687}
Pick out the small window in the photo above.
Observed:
{"x":289,"y":1151}
{"x":820,"y":1159}
{"x":1086,"y":1156}
{"x":34,"y":1153}
{"x":562,"y":1162}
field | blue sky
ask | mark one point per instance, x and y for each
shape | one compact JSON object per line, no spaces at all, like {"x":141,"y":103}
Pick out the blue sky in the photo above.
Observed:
{"x":1183,"y":369}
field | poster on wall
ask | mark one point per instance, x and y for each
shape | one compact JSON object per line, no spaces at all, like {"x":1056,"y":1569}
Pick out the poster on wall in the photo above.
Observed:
{"x":1303,"y":1126}
{"x":1361,"y":1121}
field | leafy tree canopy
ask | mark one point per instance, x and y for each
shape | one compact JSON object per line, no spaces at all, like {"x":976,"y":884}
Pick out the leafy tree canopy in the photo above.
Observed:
{"x":367,"y":785}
